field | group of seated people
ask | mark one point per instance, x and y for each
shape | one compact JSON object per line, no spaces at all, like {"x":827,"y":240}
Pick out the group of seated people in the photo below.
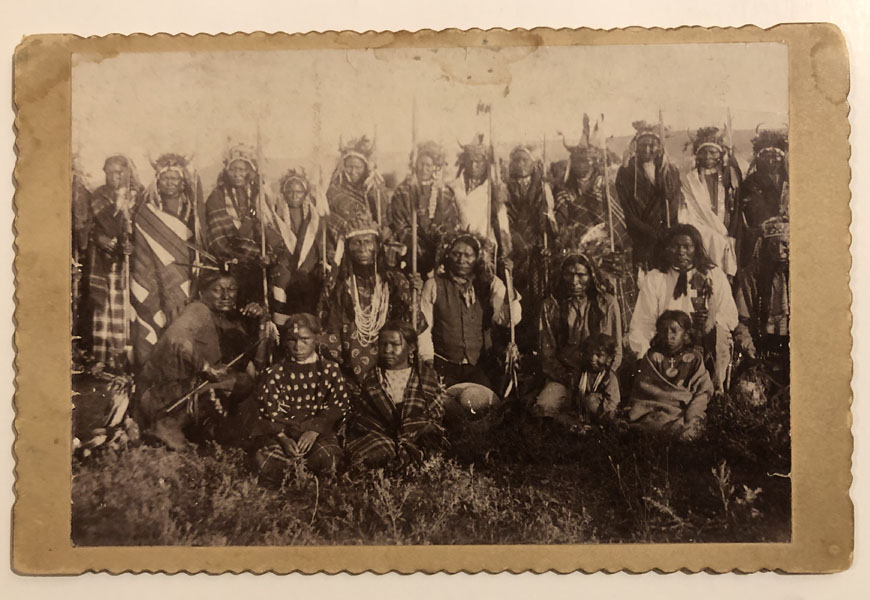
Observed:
{"x":299,"y":400}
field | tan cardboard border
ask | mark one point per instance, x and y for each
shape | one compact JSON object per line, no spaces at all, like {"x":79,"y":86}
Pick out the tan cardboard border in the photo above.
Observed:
{"x":822,"y":539}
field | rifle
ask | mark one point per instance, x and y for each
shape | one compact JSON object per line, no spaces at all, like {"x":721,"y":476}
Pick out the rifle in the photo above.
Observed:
{"x":202,"y":385}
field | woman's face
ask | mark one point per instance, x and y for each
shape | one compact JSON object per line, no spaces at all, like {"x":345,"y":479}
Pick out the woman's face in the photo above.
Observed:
{"x":576,"y":278}
{"x":295,"y":194}
{"x":426,"y":168}
{"x":221,"y":295}
{"x":681,"y":252}
{"x":355,"y":169}
{"x":673,"y":336}
{"x":301,"y":343}
{"x":239,"y":172}
{"x":362,"y":249}
{"x":169,"y":184}
{"x":393,"y":351}
{"x":709,"y":157}
{"x":462,"y":259}
{"x":647,"y":148}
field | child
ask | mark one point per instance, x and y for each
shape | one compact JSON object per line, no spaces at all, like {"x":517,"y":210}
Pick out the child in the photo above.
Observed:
{"x":301,"y":399}
{"x":673,"y":388}
{"x":597,"y":389}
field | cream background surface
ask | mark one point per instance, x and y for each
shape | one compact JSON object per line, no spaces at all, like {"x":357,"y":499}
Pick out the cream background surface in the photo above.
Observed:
{"x":93,"y":18}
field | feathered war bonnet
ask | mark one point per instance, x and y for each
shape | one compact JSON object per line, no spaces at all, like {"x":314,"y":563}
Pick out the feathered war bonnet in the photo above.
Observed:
{"x":241,"y":152}
{"x":175,"y":163}
{"x":433,"y":150}
{"x":770,"y":140}
{"x":706,"y":137}
{"x":642,"y":130}
{"x":468,"y":152}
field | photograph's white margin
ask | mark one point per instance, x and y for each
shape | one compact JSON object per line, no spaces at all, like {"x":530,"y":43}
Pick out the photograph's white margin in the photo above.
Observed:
{"x":99,"y":17}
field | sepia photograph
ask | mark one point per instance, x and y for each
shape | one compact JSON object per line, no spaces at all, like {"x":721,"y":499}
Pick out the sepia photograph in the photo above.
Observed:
{"x":433,"y":301}
{"x":530,"y":295}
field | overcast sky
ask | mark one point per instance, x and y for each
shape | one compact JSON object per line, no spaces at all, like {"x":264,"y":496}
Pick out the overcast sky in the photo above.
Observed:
{"x":150,"y":103}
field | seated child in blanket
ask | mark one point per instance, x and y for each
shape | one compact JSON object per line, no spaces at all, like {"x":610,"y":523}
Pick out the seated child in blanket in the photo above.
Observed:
{"x":672,"y":388}
{"x":597,"y":390}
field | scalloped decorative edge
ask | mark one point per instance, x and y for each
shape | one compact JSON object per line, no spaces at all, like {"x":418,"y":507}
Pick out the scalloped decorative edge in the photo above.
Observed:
{"x":823,"y":525}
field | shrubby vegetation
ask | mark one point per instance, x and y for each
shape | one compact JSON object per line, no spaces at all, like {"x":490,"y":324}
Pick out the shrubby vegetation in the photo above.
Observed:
{"x":508,"y":479}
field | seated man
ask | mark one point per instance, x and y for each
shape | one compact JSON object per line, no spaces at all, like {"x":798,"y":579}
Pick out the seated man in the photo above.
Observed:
{"x":301,"y":400}
{"x":397,"y":416}
{"x":582,"y":305}
{"x":461,"y":303}
{"x":209,"y":340}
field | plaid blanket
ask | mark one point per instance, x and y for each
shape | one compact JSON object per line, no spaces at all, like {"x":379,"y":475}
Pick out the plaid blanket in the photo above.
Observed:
{"x":232,"y":227}
{"x":380,"y":430}
{"x":160,"y":286}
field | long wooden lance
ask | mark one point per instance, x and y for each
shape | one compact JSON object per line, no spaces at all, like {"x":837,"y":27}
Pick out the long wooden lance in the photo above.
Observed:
{"x":126,"y":275}
{"x":607,"y":187}
{"x":546,"y":217}
{"x":415,"y":190}
{"x":261,"y":211}
{"x":662,"y":140}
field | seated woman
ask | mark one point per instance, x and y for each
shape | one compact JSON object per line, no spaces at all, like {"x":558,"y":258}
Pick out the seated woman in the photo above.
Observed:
{"x":209,"y":340}
{"x":672,"y":389}
{"x":685,"y":279}
{"x":581,"y":305}
{"x":301,"y":400}
{"x":461,"y":303}
{"x":397,"y":415}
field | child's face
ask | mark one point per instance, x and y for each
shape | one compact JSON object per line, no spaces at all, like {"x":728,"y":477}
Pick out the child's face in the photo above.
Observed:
{"x":301,"y":344}
{"x":673,"y":336}
{"x":599,"y":360}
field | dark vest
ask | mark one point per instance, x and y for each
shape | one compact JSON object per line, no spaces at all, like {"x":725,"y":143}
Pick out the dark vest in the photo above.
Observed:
{"x":458,"y":330}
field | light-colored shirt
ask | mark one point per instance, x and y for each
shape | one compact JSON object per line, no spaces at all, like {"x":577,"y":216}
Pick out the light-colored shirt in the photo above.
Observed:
{"x":395,"y":381}
{"x":656,"y":295}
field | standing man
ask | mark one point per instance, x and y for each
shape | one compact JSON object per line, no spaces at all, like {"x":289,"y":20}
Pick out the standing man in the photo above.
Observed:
{"x":113,"y":206}
{"x":648,"y":187}
{"x":356,"y":187}
{"x":161,"y":260}
{"x":764,"y":193}
{"x":709,"y":197}
{"x":425,"y":192}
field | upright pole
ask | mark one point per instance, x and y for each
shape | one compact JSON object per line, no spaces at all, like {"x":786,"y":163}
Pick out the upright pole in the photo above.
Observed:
{"x":414,"y":207}
{"x":261,"y":211}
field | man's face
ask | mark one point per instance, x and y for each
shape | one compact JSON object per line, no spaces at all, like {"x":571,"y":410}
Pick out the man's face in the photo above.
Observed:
{"x":355,"y":169}
{"x":462,"y":259}
{"x":779,"y":250}
{"x":582,"y":163}
{"x":681,"y":251}
{"x":477,"y":167}
{"x":709,"y":157}
{"x":647,"y":148}
{"x":169,"y":184}
{"x":220,"y":296}
{"x":362,"y":249}
{"x":115,"y":173}
{"x":301,"y":343}
{"x":674,"y":336}
{"x":393,"y":351}
{"x":769,"y":161}
{"x":239,"y":172}
{"x":521,"y":165}
{"x":295,"y":194}
{"x":426,"y":168}
{"x":599,"y":360}
{"x":576,"y":278}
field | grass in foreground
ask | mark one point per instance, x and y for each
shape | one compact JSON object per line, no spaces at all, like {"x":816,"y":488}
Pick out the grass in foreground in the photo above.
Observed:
{"x":523,"y":481}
